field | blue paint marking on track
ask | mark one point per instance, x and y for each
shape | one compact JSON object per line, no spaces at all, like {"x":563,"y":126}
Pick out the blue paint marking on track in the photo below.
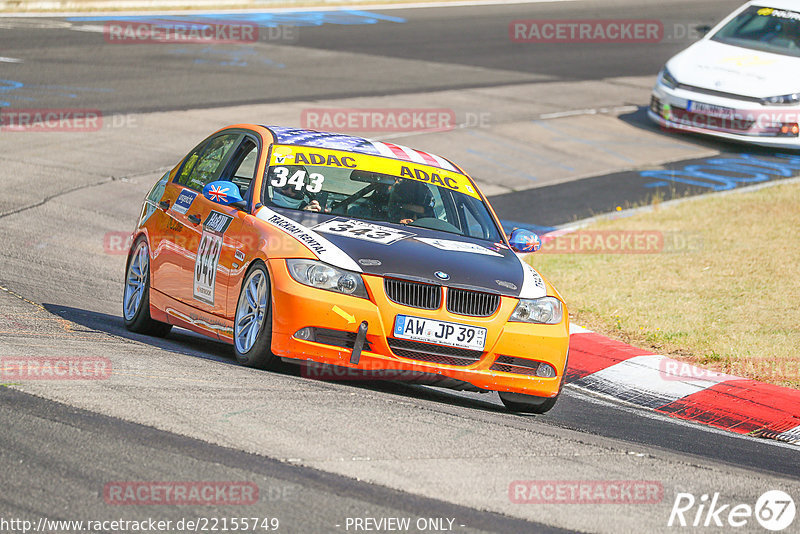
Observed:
{"x":724,"y":173}
{"x":347,"y":17}
{"x":9,"y":90}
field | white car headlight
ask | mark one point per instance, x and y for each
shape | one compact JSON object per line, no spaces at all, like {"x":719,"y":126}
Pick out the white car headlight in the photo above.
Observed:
{"x":546,"y":310}
{"x":665,"y":77}
{"x":323,"y":276}
{"x":782,"y":100}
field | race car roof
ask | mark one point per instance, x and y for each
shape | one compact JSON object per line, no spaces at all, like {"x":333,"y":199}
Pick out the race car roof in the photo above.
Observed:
{"x":788,"y":5}
{"x":335,"y":141}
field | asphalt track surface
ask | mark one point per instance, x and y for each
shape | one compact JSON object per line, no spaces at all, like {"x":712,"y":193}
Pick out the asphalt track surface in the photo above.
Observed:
{"x":56,"y":457}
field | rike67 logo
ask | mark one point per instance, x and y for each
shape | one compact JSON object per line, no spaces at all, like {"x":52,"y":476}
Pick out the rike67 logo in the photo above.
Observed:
{"x":774,"y":510}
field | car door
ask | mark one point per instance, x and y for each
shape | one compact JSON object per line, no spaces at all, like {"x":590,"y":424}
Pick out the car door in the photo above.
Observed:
{"x":175,"y":264}
{"x":219,"y":240}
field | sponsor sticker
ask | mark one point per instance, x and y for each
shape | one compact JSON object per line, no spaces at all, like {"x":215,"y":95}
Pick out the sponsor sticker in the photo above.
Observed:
{"x":532,"y":284}
{"x":780,"y":13}
{"x":217,"y":222}
{"x":324,"y":249}
{"x":362,"y":230}
{"x":207,"y":259}
{"x":458,"y":246}
{"x":295,"y":155}
{"x":184,"y":201}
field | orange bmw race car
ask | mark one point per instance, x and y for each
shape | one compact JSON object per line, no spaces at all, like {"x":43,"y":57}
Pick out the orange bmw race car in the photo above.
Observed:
{"x":326,"y":249}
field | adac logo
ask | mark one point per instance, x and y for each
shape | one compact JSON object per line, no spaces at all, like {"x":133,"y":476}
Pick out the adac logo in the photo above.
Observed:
{"x":441,"y":275}
{"x":765,"y":11}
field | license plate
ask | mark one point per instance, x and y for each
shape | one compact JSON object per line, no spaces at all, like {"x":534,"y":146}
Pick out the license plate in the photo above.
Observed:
{"x":439,"y":332}
{"x":711,"y":110}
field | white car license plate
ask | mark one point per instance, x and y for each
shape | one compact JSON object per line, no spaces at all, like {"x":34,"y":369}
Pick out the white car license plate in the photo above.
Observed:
{"x":440,"y":332}
{"x":711,"y":110}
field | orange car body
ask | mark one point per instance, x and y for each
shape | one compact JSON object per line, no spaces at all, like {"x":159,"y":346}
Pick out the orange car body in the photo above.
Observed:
{"x":175,"y":221}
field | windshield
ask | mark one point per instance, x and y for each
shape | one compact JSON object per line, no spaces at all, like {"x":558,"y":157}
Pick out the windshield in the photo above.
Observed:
{"x":765,"y":29}
{"x":376,"y":189}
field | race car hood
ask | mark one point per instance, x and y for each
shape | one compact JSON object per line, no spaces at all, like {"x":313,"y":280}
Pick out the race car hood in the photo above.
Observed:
{"x":732,"y":69}
{"x":411,"y":253}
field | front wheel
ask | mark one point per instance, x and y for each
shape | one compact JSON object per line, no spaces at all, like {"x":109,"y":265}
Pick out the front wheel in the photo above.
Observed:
{"x":518,"y":402}
{"x":136,"y":298}
{"x":252,"y":327}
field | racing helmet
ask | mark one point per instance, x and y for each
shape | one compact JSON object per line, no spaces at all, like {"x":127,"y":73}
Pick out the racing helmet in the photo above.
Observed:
{"x":410,"y":199}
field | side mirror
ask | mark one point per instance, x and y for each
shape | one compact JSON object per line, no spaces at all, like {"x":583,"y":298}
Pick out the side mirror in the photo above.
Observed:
{"x":703,"y":29}
{"x":222,"y":192}
{"x":524,"y":241}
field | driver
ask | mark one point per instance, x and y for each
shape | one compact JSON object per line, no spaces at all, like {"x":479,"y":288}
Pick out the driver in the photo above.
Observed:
{"x":409,"y":201}
{"x":289,"y":196}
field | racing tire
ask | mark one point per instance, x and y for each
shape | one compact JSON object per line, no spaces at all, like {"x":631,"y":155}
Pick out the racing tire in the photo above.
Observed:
{"x":252,"y":326}
{"x":136,"y":294}
{"x":521,"y":403}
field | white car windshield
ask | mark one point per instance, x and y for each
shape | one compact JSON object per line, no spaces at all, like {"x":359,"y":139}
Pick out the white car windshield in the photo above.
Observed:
{"x":373,"y":196}
{"x":763,"y":28}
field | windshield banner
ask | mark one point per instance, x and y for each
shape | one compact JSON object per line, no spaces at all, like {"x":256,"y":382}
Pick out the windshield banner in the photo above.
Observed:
{"x":297,"y":155}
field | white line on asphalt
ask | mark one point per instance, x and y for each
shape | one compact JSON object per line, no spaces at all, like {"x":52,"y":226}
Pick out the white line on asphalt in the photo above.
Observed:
{"x":596,"y":111}
{"x":10,"y":60}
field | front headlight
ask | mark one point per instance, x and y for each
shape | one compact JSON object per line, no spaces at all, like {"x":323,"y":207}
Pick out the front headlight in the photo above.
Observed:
{"x":323,"y":276}
{"x":546,"y":310}
{"x":783,"y":100}
{"x":666,"y":78}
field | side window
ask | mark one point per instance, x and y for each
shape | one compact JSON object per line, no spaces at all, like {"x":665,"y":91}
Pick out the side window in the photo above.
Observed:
{"x":243,"y":165}
{"x":203,"y":168}
{"x":474,"y":227}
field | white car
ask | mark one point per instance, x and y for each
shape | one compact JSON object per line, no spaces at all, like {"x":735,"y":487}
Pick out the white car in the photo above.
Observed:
{"x":740,"y":82}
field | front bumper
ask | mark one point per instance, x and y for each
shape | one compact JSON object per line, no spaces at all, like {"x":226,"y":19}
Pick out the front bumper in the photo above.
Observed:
{"x":297,"y":306}
{"x":753,"y":124}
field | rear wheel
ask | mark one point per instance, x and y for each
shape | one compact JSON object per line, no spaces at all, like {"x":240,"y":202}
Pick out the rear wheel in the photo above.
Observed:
{"x":252,"y":327}
{"x":518,"y":402}
{"x":136,"y":298}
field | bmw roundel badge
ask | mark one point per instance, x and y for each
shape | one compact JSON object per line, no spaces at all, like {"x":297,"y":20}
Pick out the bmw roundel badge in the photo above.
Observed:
{"x":441,"y":275}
